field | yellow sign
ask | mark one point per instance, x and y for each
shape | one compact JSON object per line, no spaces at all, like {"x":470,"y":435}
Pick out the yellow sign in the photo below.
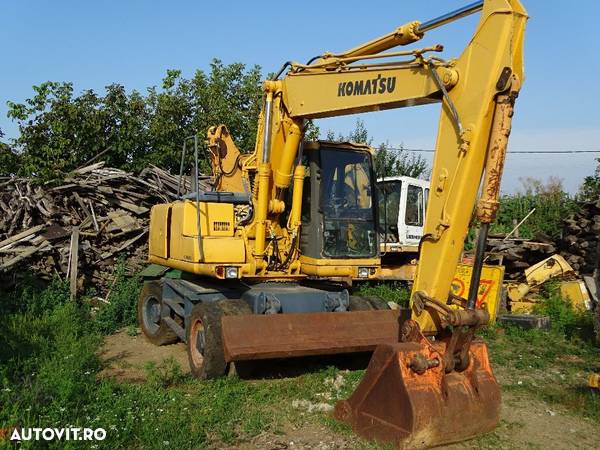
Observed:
{"x":490,"y":286}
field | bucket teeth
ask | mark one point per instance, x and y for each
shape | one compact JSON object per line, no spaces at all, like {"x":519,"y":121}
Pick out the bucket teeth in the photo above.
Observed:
{"x":396,"y":404}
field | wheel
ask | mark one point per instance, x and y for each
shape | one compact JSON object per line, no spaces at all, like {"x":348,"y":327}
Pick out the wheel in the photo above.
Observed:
{"x":204,"y":341}
{"x":149,"y":315}
{"x":367,"y":303}
{"x":378,"y":303}
{"x":359,"y":304}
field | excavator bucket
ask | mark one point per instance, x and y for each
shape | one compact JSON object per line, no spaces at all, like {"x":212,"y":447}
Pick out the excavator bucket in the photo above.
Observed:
{"x":407,"y":400}
{"x":251,"y":337}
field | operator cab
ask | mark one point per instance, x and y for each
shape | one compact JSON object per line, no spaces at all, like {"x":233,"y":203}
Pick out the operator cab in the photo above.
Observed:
{"x":338,"y":206}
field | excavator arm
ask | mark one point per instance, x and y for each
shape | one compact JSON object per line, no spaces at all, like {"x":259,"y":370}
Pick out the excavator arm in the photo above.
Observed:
{"x":477,"y":91}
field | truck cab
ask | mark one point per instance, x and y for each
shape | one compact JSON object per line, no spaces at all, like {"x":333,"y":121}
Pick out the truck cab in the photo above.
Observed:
{"x":402,"y":206}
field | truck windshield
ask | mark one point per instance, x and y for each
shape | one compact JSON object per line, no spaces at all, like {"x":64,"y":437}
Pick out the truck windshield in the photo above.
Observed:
{"x":347,"y":203}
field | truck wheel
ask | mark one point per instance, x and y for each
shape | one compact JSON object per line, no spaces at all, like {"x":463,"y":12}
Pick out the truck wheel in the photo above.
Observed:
{"x":204,"y":339}
{"x":367,"y":303}
{"x":149,"y":315}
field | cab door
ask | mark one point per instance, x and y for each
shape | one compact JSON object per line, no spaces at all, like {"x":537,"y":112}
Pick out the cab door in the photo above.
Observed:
{"x":412,"y":214}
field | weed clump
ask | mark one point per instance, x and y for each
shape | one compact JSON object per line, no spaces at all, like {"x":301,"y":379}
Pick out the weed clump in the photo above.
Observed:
{"x":565,"y":319}
{"x":396,"y":292}
{"x":121,"y":311}
{"x":167,"y":373}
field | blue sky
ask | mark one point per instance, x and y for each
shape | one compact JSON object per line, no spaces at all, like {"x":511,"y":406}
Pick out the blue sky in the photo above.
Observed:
{"x":95,"y":43}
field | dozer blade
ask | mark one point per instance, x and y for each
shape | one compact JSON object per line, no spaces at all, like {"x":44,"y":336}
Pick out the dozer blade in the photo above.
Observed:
{"x":395,"y":405}
{"x":247,"y":337}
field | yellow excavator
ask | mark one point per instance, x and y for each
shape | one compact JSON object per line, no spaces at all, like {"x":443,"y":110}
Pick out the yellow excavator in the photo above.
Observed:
{"x":256,"y":262}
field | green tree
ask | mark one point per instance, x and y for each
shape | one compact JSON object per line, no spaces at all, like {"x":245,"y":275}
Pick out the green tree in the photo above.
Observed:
{"x":399,"y":162}
{"x":359,"y":134}
{"x":9,"y":160}
{"x":56,"y":129}
{"x":590,"y":188}
{"x":388,"y":162}
{"x":60,"y":131}
{"x":311,"y":131}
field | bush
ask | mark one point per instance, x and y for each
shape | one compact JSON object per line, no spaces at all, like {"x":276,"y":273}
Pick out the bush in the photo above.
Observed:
{"x":565,"y":319}
{"x":590,"y":188}
{"x":394,"y":291}
{"x":167,"y":373}
{"x":550,"y":210}
{"x":551,"y":205}
{"x":121,"y":310}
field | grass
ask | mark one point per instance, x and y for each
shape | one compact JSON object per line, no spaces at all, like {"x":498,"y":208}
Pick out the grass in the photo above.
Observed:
{"x":391,"y":292}
{"x":121,"y":311}
{"x":49,"y":377}
{"x":547,"y":366}
{"x":552,"y":366}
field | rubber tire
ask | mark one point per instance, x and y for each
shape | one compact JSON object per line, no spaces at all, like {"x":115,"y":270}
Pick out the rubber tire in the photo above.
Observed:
{"x":359,"y":304}
{"x":370,"y":303}
{"x":213,"y":364}
{"x":378,"y":303}
{"x":163,"y":335}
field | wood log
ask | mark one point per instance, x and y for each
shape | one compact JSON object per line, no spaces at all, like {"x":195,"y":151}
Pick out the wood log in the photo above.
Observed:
{"x":106,"y":205}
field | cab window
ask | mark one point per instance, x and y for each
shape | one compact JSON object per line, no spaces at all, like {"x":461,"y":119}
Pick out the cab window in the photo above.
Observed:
{"x":414,"y":206}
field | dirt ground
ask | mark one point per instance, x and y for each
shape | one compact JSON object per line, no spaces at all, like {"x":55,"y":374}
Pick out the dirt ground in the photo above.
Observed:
{"x":126,"y":356}
{"x":526,"y":422}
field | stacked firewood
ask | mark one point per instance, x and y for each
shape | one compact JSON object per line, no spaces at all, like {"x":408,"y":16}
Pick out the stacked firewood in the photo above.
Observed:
{"x":516,"y":254}
{"x":77,"y":230}
{"x":581,"y":237}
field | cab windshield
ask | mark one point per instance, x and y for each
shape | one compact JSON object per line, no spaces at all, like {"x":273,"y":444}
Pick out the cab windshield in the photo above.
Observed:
{"x":347,"y":203}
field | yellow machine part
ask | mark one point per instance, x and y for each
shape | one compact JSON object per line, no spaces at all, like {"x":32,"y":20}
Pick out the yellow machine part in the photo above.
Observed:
{"x":455,"y":178}
{"x":576,"y":292}
{"x":594,"y":381}
{"x":524,"y":302}
{"x":550,"y":267}
{"x":522,"y":307}
{"x":490,"y":286}
{"x":401,"y":272}
{"x":174,"y":234}
{"x":339,"y":268}
{"x":517,"y":292}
